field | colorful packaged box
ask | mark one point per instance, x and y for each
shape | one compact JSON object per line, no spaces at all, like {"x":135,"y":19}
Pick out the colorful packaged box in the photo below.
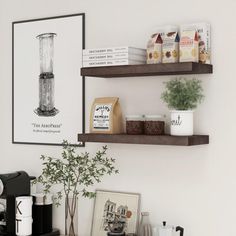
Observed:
{"x":204,"y":39}
{"x":188,"y":45}
{"x":170,"y":46}
{"x":154,"y":49}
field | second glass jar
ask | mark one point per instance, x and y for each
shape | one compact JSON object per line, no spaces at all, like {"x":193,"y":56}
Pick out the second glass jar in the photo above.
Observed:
{"x":154,"y":125}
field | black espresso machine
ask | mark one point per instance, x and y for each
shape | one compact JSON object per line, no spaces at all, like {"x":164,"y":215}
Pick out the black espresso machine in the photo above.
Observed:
{"x":11,"y":186}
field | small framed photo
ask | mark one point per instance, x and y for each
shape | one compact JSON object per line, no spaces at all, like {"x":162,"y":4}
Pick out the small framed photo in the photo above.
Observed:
{"x":111,"y":208}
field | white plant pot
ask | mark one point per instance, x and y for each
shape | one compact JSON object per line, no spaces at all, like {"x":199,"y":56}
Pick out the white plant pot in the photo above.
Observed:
{"x":181,"y":123}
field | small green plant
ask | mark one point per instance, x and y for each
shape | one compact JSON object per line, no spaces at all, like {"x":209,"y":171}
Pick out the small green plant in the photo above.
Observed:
{"x":74,"y":173}
{"x":183,"y":94}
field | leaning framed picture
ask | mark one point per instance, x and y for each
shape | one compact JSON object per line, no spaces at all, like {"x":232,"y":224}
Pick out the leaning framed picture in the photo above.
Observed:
{"x":115,"y":211}
{"x":48,"y":92}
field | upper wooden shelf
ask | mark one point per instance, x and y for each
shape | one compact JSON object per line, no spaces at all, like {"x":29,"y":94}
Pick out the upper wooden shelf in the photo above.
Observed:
{"x":148,"y":70}
{"x":145,"y":139}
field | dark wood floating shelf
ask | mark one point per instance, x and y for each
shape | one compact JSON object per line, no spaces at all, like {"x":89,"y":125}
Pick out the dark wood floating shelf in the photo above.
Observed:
{"x":147,"y":70}
{"x":145,"y":139}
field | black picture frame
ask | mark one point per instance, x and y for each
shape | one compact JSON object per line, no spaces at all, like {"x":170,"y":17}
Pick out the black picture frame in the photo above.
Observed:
{"x":15,"y":23}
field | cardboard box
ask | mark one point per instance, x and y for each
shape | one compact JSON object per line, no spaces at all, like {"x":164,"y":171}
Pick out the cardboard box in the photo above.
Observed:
{"x":170,"y":47}
{"x":154,"y":49}
{"x":188,"y":45}
{"x":204,"y":39}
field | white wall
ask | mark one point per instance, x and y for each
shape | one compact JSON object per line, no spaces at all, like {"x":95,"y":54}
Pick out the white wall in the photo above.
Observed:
{"x":194,"y":187}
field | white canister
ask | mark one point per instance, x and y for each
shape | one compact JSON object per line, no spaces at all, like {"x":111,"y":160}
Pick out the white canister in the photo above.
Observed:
{"x":24,"y":206}
{"x":24,"y":226}
{"x":181,"y":123}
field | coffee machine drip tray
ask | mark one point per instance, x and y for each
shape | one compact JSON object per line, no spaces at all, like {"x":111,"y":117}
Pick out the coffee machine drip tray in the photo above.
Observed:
{"x":55,"y":232}
{"x":3,"y":231}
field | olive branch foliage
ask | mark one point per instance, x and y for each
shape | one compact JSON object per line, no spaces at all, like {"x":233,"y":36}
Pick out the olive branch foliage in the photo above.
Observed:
{"x":182,"y":93}
{"x":75,"y":172}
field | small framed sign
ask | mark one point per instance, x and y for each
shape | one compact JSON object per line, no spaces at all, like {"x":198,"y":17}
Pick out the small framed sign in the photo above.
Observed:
{"x":115,"y":207}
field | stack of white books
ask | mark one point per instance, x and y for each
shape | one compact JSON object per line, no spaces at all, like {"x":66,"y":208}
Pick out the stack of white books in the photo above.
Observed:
{"x":113,"y":56}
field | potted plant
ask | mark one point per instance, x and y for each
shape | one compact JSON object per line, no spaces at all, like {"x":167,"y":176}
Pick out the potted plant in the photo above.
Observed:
{"x":182,"y":97}
{"x":74,"y":173}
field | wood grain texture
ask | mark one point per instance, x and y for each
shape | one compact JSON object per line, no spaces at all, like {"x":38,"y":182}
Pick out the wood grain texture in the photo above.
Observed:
{"x":145,"y":139}
{"x":147,"y":70}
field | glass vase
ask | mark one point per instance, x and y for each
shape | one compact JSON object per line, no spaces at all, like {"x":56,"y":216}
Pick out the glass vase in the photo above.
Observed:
{"x":71,"y":216}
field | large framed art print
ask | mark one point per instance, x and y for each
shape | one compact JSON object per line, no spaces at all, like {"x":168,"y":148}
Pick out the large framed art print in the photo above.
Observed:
{"x":47,"y":88}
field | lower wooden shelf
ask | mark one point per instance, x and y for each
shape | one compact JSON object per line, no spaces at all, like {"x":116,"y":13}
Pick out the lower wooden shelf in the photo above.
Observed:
{"x":145,"y":139}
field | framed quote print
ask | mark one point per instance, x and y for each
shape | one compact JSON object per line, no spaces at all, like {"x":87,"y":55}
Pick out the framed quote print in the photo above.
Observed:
{"x":48,"y":91}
